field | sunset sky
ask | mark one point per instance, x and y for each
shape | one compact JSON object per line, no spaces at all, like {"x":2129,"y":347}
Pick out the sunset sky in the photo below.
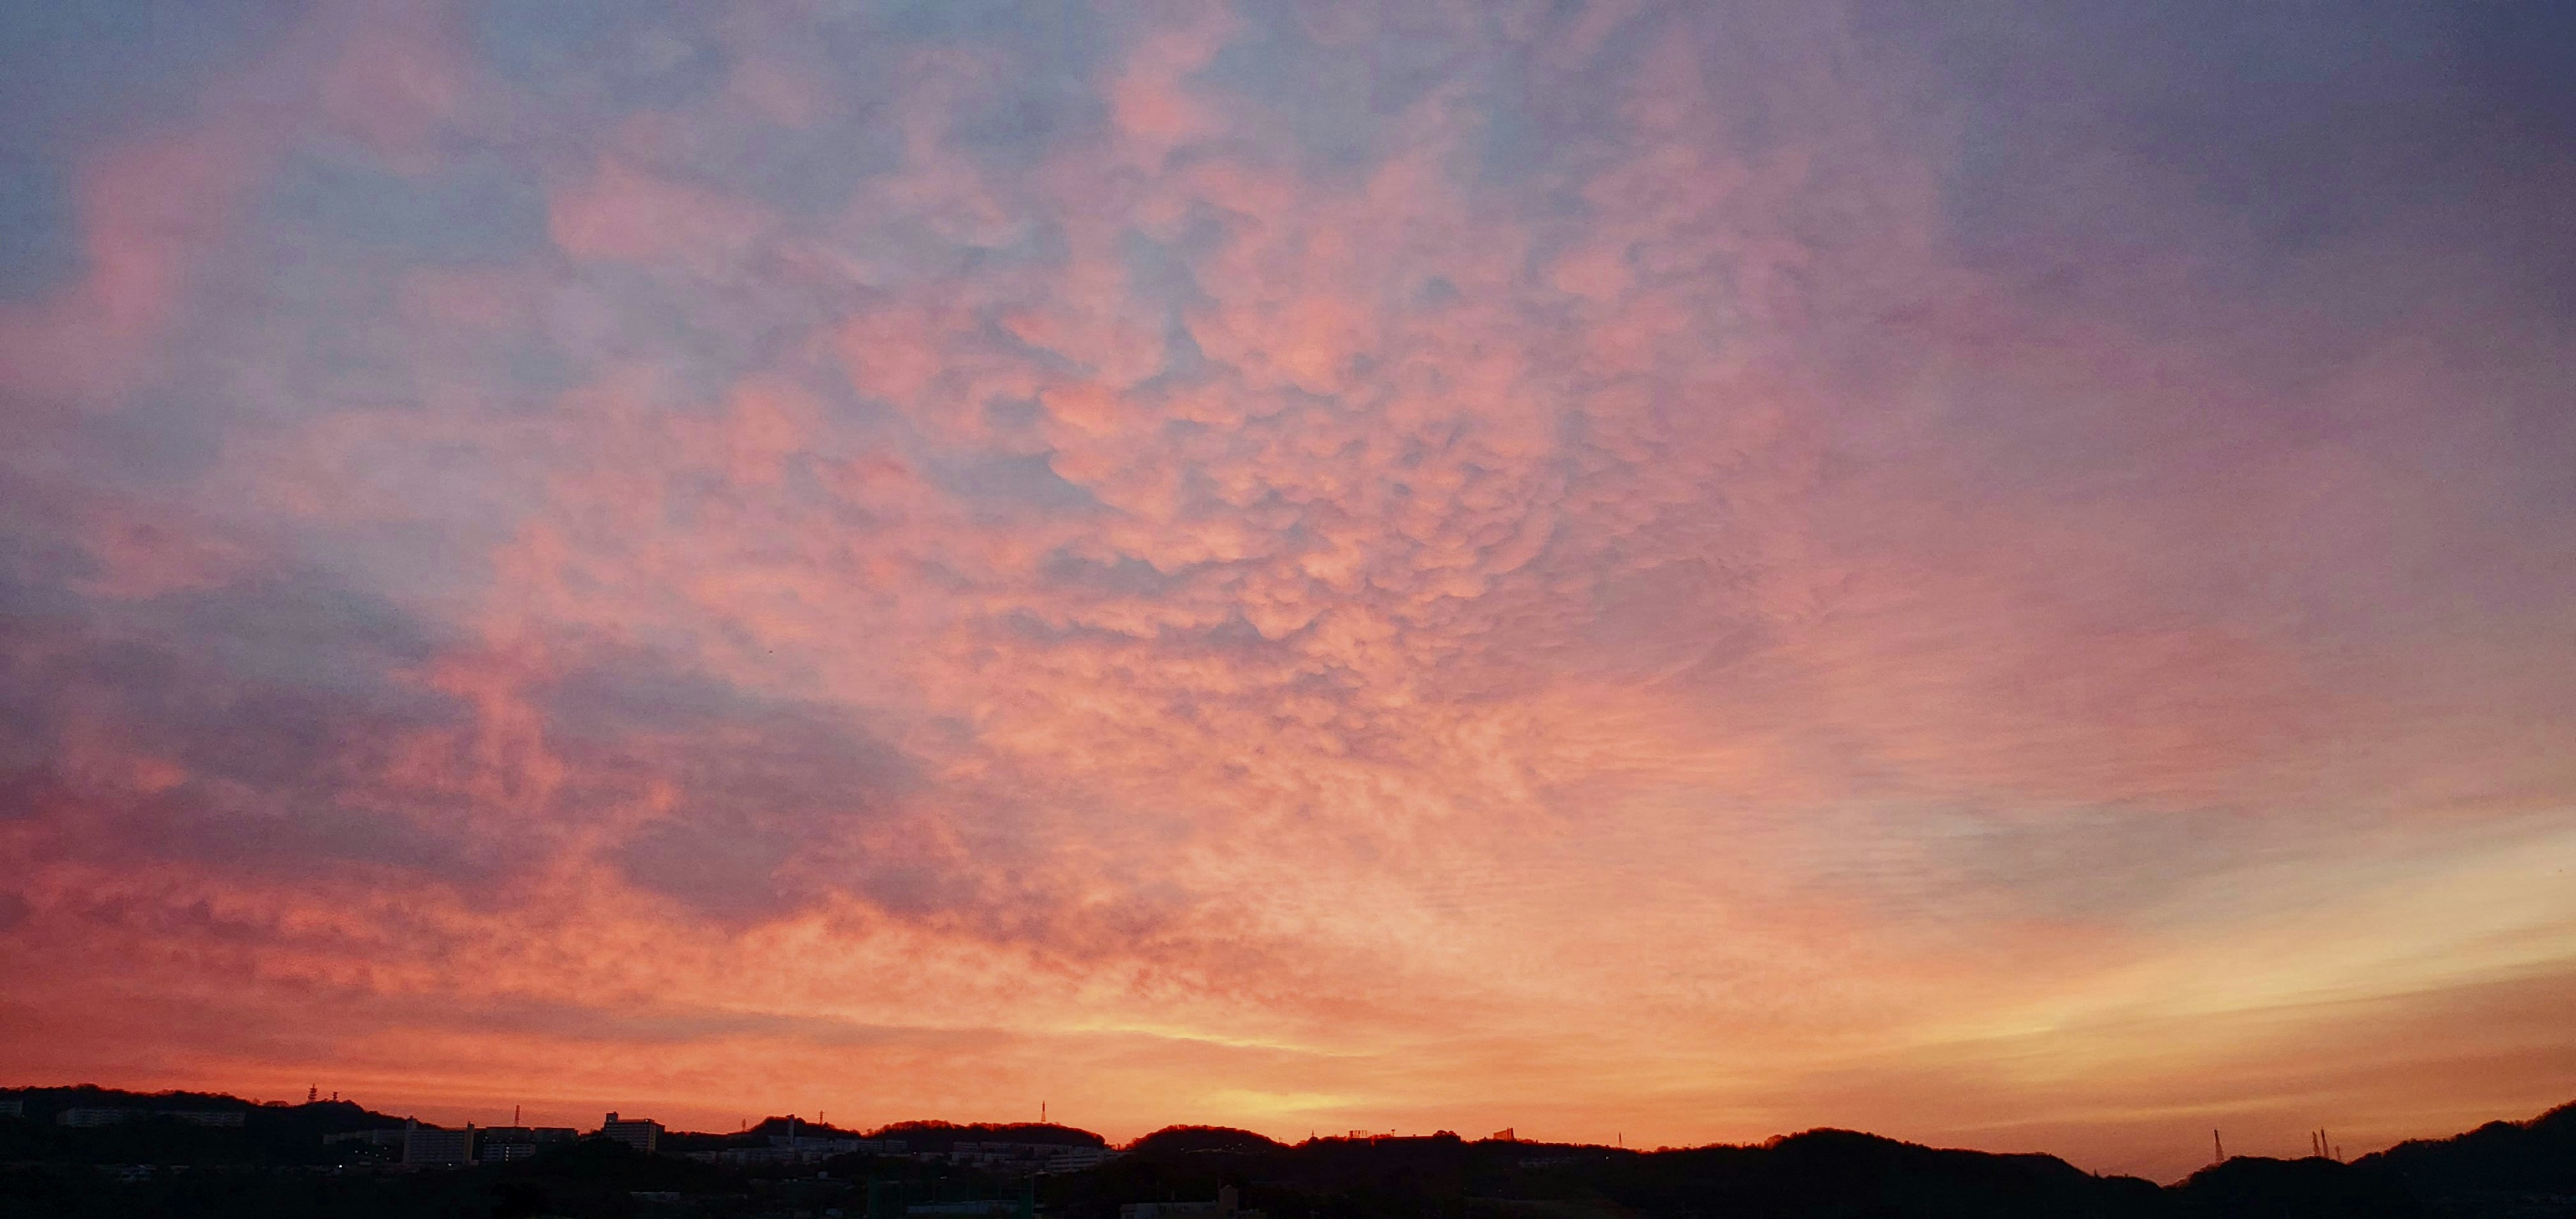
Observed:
{"x":2002,"y":574}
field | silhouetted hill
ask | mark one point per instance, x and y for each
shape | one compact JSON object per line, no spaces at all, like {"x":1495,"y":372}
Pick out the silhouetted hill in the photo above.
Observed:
{"x":2312,"y":1188}
{"x":1842,"y":1172}
{"x":43,"y":1104}
{"x":796,"y":1125}
{"x":1184,"y":1139}
{"x":2499,"y":1168}
{"x":2505,"y":1170}
{"x":940,"y":1136}
{"x":276,"y":1163}
{"x":1824,"y":1173}
{"x":162,"y":1132}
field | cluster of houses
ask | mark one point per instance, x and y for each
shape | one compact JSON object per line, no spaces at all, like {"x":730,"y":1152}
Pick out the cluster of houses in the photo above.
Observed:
{"x":418,"y":1144}
{"x":1029,"y":1157}
{"x":422,"y":1144}
{"x":795,"y":1147}
{"x":1227,"y":1205}
{"x":998,"y":1157}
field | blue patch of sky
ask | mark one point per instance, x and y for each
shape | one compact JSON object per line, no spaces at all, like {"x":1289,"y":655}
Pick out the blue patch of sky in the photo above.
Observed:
{"x":40,"y":239}
{"x":704,"y":338}
{"x":1333,"y":102}
{"x":1160,"y":269}
{"x":75,"y":75}
{"x":1054,"y":54}
{"x":163,"y":434}
{"x":305,"y":628}
{"x":2278,"y":128}
{"x":1124,"y":575}
{"x":968,"y":20}
{"x":1011,"y":481}
{"x":1043,"y":94}
{"x":74,"y":71}
{"x":616,"y":54}
{"x":813,"y":172}
{"x":1016,"y":125}
{"x":482,"y":211}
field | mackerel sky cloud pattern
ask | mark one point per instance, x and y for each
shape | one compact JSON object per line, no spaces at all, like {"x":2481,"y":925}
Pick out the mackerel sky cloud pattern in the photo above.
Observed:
{"x":2000,"y":574}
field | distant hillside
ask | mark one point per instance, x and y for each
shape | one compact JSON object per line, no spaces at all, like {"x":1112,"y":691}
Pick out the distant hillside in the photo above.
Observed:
{"x":940,"y":1136}
{"x":2505,"y":1170}
{"x":2499,"y":1167}
{"x":43,"y":1104}
{"x":2511,"y":1170}
{"x":1184,"y":1139}
{"x":1819,"y":1173}
{"x":275,"y":1161}
{"x":164,"y":1127}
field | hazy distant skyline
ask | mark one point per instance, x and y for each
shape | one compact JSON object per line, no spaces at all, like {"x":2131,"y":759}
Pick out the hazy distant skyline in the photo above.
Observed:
{"x":2002,"y":574}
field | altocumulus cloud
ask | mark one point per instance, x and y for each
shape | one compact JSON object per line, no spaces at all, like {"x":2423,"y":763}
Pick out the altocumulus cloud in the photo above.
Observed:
{"x":1596,"y":567}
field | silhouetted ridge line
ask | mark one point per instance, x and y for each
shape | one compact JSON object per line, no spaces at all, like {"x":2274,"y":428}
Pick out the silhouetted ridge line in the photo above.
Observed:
{"x":933,"y":1134}
{"x":284,"y":1158}
{"x":1185,"y":1139}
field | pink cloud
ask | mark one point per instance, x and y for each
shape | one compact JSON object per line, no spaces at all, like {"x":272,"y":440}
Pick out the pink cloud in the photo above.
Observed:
{"x":398,"y":81}
{"x":624,"y":213}
{"x":1248,"y":634}
{"x":142,"y":551}
{"x":148,"y":209}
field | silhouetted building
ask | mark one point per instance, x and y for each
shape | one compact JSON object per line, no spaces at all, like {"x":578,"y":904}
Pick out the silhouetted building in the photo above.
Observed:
{"x":392,"y":1137}
{"x":642,"y":1134}
{"x":1074,"y":1159}
{"x":13,"y":1107}
{"x":817,"y":1143}
{"x":1023,"y":1158}
{"x":744,"y":1156}
{"x":503,"y":1144}
{"x":431,"y":1145}
{"x":1225,"y":1207}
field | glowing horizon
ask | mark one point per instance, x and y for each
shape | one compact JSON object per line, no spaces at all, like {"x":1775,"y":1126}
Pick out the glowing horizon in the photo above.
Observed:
{"x":2001,"y":577}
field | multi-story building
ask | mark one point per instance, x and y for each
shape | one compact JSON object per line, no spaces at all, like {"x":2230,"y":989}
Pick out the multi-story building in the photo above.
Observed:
{"x":642,"y":1134}
{"x":1226,"y":1206}
{"x":503,"y":1144}
{"x":391,"y":1137}
{"x":745,"y":1156}
{"x":817,"y":1143}
{"x":1026,"y":1157}
{"x":431,"y":1145}
{"x":1075,"y":1159}
{"x":13,"y":1107}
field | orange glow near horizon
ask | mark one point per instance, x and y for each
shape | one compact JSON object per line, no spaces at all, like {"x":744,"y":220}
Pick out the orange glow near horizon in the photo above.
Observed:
{"x":1613,"y":570}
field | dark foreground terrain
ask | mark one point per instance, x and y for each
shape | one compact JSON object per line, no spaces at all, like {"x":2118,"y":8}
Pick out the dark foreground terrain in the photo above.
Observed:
{"x":277,"y":1163}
